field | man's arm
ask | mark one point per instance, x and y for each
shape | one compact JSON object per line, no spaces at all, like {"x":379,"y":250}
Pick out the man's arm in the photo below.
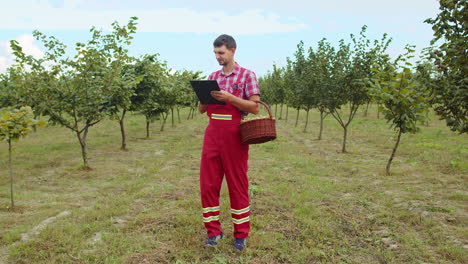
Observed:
{"x":244,"y":105}
{"x":202,"y":108}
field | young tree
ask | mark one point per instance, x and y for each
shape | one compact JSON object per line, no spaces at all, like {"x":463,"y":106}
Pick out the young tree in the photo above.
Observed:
{"x":8,"y":91}
{"x":120,"y":98}
{"x":175,"y":89}
{"x":303,"y":80}
{"x":403,"y":99}
{"x":123,"y":84}
{"x":293,"y":98}
{"x":167,"y":104}
{"x":188,"y":98}
{"x":15,"y":124}
{"x":319,"y":66}
{"x":340,"y":91}
{"x":76,"y":93}
{"x":149,"y":92}
{"x":182,"y":90}
{"x":278,"y":85}
{"x":25,"y":79}
{"x":351,"y":70}
{"x":451,"y":92}
{"x":169,"y":98}
{"x":427,"y":75}
{"x":266,"y":87}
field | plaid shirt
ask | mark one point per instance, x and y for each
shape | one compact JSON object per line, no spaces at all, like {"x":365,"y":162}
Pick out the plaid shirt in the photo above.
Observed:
{"x":239,"y":78}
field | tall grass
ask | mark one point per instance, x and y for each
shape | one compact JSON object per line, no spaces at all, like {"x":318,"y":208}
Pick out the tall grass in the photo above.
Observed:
{"x":310,"y":203}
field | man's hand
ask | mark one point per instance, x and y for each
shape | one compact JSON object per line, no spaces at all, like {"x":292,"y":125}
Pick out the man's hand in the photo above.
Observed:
{"x":222,"y":96}
{"x":202,"y":108}
{"x":249,"y":105}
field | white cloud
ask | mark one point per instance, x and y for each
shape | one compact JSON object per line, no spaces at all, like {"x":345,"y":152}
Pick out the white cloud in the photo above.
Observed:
{"x":27,"y":42}
{"x":71,"y":15}
{"x":5,"y":56}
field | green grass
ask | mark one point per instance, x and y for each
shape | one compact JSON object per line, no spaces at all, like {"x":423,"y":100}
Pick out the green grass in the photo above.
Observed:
{"x":310,"y":203}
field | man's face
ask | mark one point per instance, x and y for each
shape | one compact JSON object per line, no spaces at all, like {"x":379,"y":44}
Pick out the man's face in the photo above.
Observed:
{"x":224,"y":55}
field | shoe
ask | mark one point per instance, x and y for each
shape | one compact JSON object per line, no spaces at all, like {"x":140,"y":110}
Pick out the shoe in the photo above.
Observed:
{"x":213,"y":240}
{"x":240,"y":243}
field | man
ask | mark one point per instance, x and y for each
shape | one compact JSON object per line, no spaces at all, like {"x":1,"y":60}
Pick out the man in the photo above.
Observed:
{"x":223,"y":153}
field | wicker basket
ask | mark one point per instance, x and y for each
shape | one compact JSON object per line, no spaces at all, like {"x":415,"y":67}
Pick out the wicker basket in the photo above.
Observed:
{"x":258,"y":130}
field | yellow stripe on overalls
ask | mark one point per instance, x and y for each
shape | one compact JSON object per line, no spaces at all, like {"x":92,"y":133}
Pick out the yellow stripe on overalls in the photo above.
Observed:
{"x":221,"y":117}
{"x":240,"y":221}
{"x":241,"y":211}
{"x":211,"y":218}
{"x":210,"y":209}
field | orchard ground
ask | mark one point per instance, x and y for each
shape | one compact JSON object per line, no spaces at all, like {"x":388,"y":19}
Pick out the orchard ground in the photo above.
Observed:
{"x":310,"y":203}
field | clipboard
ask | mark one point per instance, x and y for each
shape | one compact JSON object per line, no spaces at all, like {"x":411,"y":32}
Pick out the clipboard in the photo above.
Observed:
{"x":203,"y":89}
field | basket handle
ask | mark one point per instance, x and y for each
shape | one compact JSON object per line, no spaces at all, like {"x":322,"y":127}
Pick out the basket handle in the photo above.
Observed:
{"x":266,"y":106}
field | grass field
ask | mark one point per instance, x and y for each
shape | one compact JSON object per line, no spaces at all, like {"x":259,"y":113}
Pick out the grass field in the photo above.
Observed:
{"x":310,"y":203}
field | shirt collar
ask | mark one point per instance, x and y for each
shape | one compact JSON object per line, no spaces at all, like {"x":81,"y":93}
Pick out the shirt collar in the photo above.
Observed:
{"x":235,"y":71}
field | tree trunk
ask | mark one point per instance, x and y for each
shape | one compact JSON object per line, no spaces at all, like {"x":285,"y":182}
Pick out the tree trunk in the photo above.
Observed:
{"x":189,"y":113}
{"x":84,"y":150}
{"x":307,"y":120}
{"x":164,"y":116}
{"x":287,"y":108}
{"x":427,"y":118}
{"x":178,"y":114}
{"x":276,"y":109}
{"x":367,"y":108}
{"x":378,"y":111}
{"x":281,"y":112}
{"x":122,"y":131}
{"x":11,"y":174}
{"x":345,"y":129}
{"x":35,"y":126}
{"x":172,"y":116}
{"x":147,"y":128}
{"x":321,"y":124}
{"x":387,"y":169}
{"x":297,"y":117}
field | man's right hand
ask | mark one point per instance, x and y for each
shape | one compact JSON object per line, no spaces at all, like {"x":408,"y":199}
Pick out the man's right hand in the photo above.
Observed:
{"x":202,"y":108}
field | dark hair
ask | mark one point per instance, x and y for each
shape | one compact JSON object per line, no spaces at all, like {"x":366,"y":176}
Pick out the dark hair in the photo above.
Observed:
{"x":225,"y":40}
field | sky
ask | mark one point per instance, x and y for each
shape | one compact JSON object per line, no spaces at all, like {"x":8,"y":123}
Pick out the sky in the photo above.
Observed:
{"x":182,"y":31}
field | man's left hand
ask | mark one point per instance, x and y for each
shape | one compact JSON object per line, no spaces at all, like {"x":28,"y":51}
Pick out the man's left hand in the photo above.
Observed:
{"x":222,"y":96}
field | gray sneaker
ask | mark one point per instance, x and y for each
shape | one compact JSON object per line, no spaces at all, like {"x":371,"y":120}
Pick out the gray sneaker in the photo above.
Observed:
{"x":240,"y":243}
{"x":213,"y":240}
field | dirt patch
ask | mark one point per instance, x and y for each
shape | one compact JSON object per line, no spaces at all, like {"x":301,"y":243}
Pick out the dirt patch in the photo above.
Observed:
{"x":38,"y":229}
{"x":119,"y":222}
{"x":288,"y":226}
{"x":389,"y":243}
{"x":19,"y":209}
{"x":161,"y":254}
{"x":147,"y":258}
{"x":31,"y":234}
{"x":178,"y":194}
{"x":3,"y":255}
{"x":95,"y":239}
{"x":153,"y":225}
{"x":159,"y":153}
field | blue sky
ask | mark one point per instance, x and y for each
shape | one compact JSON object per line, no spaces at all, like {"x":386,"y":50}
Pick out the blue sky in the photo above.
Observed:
{"x":182,"y":32}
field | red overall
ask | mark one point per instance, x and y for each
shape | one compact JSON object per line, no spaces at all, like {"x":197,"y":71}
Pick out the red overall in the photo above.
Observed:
{"x":223,"y":154}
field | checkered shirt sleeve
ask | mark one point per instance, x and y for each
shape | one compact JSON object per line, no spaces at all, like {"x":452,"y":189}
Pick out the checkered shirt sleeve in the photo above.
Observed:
{"x":251,"y":84}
